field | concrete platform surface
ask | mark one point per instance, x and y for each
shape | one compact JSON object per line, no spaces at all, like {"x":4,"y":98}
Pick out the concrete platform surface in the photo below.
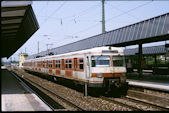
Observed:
{"x":17,"y":97}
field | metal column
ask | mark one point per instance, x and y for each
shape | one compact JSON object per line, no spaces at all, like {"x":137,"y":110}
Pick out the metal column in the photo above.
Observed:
{"x":155,"y":64}
{"x":85,"y":89}
{"x":103,"y":18}
{"x":140,"y":60}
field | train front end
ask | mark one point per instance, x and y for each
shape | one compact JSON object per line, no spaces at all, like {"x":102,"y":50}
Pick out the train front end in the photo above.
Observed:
{"x":108,"y":71}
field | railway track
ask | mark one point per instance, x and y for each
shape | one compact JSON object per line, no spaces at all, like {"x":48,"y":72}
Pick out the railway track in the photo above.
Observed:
{"x":28,"y":81}
{"x":134,"y":104}
{"x":146,"y":103}
{"x":123,"y":103}
{"x":28,"y":86}
{"x":150,"y":96}
{"x":120,"y":103}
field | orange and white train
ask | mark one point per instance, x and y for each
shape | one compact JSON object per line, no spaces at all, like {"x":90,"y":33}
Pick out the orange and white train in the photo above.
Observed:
{"x":100,"y":67}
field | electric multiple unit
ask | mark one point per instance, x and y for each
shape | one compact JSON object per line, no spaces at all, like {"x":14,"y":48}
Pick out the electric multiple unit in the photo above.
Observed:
{"x":100,"y":67}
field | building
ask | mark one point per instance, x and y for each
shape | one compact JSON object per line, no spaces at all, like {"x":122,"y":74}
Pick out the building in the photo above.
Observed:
{"x":22,"y":57}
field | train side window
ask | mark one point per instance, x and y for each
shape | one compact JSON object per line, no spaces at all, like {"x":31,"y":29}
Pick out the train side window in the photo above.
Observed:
{"x":93,"y":63}
{"x":70,"y":64}
{"x":59,"y":64}
{"x":56,"y":63}
{"x":66,"y":64}
{"x":50,"y":63}
{"x":80,"y":63}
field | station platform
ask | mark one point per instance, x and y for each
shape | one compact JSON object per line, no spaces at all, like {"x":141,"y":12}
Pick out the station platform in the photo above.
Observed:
{"x":157,"y":82}
{"x":15,"y":96}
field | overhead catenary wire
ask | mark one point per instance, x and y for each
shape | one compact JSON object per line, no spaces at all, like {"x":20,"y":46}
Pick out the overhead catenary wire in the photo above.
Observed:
{"x":92,"y":26}
{"x":57,"y":9}
{"x":127,"y":13}
{"x":88,"y":28}
{"x":74,"y":17}
{"x":81,"y":12}
{"x":129,"y":10}
{"x":43,"y":7}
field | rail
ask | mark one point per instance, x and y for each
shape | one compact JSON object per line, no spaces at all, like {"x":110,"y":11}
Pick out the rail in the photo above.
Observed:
{"x":58,"y":96}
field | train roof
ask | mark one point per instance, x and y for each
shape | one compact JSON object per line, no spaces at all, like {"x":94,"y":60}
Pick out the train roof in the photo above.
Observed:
{"x":93,"y":50}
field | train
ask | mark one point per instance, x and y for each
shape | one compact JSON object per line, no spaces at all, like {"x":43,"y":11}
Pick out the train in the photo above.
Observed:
{"x":101,"y":68}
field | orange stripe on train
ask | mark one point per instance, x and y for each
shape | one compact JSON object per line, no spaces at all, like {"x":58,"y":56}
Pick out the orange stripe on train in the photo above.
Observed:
{"x":107,"y":74}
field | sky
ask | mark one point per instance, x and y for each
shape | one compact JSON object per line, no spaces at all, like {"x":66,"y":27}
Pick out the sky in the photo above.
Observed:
{"x":63,"y":22}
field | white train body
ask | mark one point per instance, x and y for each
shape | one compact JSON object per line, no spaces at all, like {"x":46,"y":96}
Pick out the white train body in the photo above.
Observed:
{"x":94,"y":66}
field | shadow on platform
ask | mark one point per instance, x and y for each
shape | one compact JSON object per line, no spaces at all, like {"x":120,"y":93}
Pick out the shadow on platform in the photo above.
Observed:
{"x":10,"y":85}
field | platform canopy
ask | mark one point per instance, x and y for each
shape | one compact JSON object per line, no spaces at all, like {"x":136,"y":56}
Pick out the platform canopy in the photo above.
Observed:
{"x":146,"y":31}
{"x":18,"y":24}
{"x":154,"y":50}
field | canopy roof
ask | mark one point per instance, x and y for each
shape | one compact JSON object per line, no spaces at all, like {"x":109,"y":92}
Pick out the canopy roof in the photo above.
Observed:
{"x":18,"y":24}
{"x":146,"y":31}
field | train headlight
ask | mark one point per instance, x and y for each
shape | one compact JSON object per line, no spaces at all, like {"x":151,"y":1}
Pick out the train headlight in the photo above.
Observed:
{"x":99,"y":75}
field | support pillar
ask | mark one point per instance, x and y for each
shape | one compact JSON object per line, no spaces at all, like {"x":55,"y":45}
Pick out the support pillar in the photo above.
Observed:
{"x":103,"y":18}
{"x":155,"y":64}
{"x":140,"y":60}
{"x":85,"y":89}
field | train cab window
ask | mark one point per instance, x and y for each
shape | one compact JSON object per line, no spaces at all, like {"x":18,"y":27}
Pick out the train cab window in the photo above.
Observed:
{"x":100,"y":61}
{"x":118,"y":61}
{"x":80,"y":63}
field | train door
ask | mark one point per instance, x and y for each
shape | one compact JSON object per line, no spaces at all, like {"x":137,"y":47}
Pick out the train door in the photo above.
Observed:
{"x":75,"y":68}
{"x":87,"y":67}
{"x":62,"y":72}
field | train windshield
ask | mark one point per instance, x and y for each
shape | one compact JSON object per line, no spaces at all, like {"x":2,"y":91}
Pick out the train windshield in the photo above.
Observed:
{"x":98,"y":61}
{"x":118,"y":61}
